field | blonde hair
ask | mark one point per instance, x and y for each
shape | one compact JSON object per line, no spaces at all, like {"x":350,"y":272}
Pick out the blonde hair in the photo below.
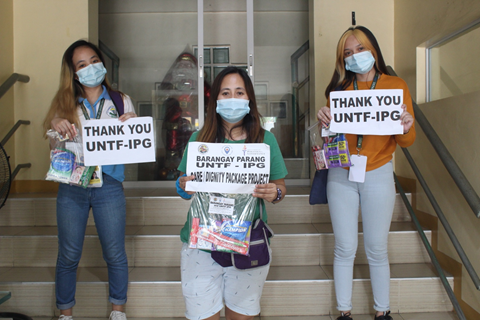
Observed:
{"x":64,"y":104}
{"x":342,"y":77}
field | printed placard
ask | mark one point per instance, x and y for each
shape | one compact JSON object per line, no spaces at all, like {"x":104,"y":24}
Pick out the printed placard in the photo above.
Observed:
{"x":111,"y":141}
{"x":219,"y":205}
{"x":227,"y":168}
{"x":368,"y":112}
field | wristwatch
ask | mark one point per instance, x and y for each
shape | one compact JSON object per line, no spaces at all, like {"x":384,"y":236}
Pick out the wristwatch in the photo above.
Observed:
{"x":279,"y":195}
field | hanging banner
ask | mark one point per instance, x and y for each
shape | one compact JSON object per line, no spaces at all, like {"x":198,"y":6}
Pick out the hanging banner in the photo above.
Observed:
{"x":111,"y":141}
{"x":368,"y":112}
{"x":227,"y":168}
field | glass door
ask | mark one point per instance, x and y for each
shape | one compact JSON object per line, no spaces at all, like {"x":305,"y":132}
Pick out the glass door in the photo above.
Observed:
{"x":149,"y":45}
{"x":281,"y":78}
{"x":165,"y":55}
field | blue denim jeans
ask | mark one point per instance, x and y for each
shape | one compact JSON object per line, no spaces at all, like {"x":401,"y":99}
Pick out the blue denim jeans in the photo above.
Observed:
{"x":109,"y":211}
{"x":376,"y":198}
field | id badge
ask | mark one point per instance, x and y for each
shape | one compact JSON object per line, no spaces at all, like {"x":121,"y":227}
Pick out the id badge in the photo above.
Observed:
{"x":358,"y":169}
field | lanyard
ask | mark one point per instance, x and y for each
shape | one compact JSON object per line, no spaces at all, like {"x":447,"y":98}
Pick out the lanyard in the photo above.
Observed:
{"x":355,"y":87}
{"x":99,"y":112}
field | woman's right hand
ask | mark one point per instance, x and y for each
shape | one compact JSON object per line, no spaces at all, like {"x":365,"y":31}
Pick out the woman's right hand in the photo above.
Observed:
{"x":63,"y":126}
{"x":324,"y":116}
{"x":183,"y":182}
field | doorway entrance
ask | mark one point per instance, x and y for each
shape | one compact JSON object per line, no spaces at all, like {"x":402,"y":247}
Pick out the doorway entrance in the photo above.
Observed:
{"x":165,"y":54}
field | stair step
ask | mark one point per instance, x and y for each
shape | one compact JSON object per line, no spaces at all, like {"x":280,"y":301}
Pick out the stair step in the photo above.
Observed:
{"x":159,"y":246}
{"x":39,"y":210}
{"x":396,"y":316}
{"x":304,"y":290}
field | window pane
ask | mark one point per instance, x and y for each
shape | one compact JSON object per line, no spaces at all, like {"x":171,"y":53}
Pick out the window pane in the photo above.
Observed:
{"x":206,"y":56}
{"x":221,"y":55}
{"x":217,"y":70}
{"x":453,"y":70}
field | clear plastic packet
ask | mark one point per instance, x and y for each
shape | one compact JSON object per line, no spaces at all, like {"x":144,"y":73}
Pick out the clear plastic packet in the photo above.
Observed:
{"x":330,"y":150}
{"x":66,"y":160}
{"x":317,"y":143}
{"x":222,"y":221}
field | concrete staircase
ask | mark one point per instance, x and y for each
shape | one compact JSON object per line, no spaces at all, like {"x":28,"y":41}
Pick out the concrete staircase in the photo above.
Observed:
{"x":299,"y":285}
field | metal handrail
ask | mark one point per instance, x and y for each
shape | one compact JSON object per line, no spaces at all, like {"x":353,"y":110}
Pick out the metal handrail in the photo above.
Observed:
{"x":460,"y":179}
{"x":11,"y":81}
{"x":451,"y":234}
{"x":432,"y":255}
{"x":12,"y":131}
{"x":18,"y":167}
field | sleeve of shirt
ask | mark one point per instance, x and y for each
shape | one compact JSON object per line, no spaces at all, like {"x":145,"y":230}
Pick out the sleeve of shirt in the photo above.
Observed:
{"x":278,"y":170}
{"x":128,"y":104}
{"x":182,"y":167}
{"x":407,"y":139}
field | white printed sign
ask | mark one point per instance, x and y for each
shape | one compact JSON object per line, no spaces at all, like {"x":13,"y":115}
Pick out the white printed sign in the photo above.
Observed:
{"x":114,"y":142}
{"x":227,"y":168}
{"x":369,"y":112}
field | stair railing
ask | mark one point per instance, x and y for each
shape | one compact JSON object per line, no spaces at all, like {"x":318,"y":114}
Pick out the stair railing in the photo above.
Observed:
{"x":3,"y":89}
{"x":430,"y":252}
{"x":465,"y":188}
{"x":11,"y":81}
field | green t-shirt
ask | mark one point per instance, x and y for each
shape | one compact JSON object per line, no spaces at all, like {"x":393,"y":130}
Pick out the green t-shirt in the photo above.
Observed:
{"x":278,"y":170}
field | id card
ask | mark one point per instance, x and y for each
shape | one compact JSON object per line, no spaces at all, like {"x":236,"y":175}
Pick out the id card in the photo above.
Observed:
{"x":97,"y":178}
{"x":220,"y":205}
{"x":358,"y":169}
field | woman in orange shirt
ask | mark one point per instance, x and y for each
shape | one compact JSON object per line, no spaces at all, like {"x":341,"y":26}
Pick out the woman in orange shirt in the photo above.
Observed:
{"x":360,"y":66}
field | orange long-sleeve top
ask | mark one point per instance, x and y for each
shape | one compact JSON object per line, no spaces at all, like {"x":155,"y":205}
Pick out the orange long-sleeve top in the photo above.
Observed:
{"x":379,"y":149}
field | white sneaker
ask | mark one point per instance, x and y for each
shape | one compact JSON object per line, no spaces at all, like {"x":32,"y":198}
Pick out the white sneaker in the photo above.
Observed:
{"x":64,"y":317}
{"x":114,"y":315}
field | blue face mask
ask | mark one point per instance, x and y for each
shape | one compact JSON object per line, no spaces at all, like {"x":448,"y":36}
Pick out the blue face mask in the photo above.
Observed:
{"x":360,"y":62}
{"x":93,"y":75}
{"x":233,"y":110}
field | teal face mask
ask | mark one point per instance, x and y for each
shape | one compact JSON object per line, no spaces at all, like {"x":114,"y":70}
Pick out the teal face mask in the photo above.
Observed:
{"x":93,"y":75}
{"x":360,"y":62}
{"x":233,"y":110}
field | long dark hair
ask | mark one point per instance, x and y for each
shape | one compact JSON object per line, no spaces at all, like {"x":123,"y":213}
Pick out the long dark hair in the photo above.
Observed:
{"x":64,"y":104}
{"x":214,"y":130}
{"x":342,"y":78}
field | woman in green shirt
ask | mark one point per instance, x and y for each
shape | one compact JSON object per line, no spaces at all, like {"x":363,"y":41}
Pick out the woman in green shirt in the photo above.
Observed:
{"x":232,"y":118}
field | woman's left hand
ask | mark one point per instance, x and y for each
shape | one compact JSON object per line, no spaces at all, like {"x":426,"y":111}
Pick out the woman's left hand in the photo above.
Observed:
{"x":266,"y":191}
{"x":127,"y":116}
{"x":406,"y":119}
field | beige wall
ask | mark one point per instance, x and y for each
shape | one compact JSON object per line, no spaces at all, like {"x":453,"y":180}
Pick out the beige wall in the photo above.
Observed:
{"x":330,"y":20}
{"x":42,"y":30}
{"x":418,"y":23}
{"x":6,"y":69}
